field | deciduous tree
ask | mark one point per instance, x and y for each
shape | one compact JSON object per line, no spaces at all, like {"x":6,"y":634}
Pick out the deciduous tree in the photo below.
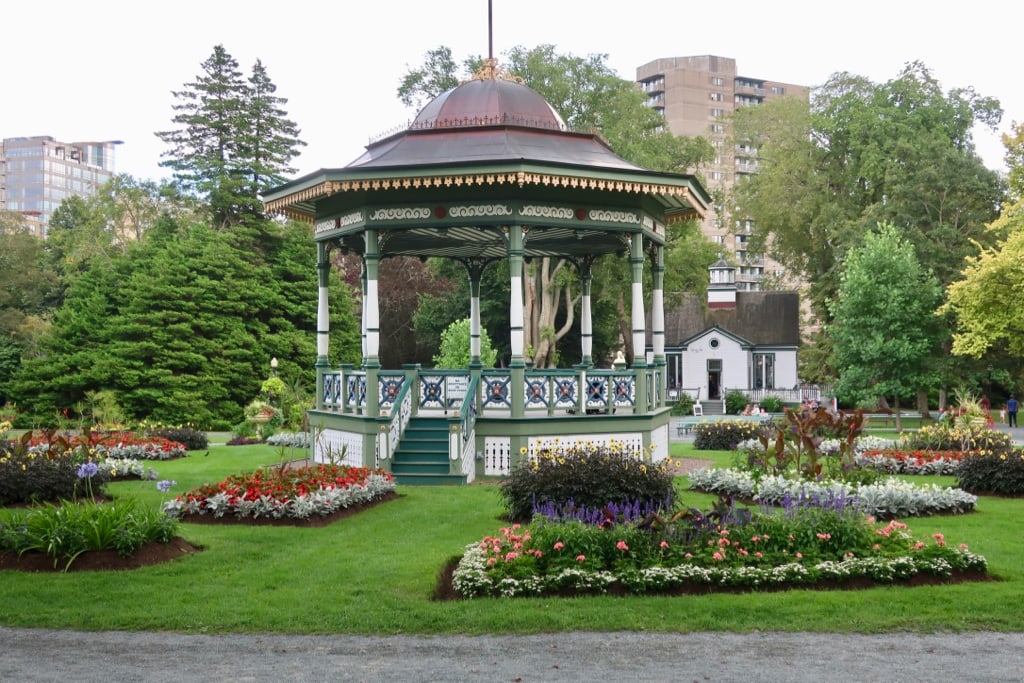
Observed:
{"x":884,"y":328}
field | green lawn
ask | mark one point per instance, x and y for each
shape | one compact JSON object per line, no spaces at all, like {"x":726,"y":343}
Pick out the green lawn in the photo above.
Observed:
{"x":374,"y":574}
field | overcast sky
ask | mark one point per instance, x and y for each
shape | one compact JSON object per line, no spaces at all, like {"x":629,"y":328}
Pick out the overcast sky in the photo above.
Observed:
{"x":105,"y":70}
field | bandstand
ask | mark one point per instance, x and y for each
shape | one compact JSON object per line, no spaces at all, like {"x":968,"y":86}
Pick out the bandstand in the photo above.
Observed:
{"x":487,"y":172}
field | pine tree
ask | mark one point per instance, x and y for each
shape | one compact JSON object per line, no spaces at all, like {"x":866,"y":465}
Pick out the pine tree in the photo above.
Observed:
{"x":234,"y":139}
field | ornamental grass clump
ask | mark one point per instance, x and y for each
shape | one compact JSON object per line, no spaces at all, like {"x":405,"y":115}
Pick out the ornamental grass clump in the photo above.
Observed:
{"x":65,"y":531}
{"x":585,"y":476}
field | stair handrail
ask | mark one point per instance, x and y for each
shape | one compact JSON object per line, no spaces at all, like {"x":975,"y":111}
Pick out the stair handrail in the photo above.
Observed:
{"x":399,"y":420}
{"x":466,"y":424}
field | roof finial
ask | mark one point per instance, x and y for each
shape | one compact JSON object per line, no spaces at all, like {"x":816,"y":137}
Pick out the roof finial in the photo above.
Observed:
{"x":490,"y":31}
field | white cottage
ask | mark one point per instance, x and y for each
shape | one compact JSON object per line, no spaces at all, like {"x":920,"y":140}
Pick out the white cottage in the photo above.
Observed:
{"x":736,"y":340}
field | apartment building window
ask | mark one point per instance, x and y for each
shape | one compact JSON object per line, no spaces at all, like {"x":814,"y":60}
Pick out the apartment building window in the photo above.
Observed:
{"x":717,"y":97}
{"x":717,"y":127}
{"x":741,"y":239}
{"x":717,"y":175}
{"x":778,"y":90}
{"x":717,"y":80}
{"x":716,"y":112}
{"x":718,"y":239}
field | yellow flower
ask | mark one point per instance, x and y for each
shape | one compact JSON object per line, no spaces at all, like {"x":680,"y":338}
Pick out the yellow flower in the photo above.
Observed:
{"x":113,"y":472}
{"x":522,"y":451}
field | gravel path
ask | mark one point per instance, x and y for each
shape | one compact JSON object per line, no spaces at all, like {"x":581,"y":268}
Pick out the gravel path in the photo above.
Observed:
{"x":31,"y":656}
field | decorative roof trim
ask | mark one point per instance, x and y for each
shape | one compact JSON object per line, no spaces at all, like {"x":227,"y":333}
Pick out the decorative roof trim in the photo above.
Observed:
{"x":490,"y":71}
{"x":286,"y":206}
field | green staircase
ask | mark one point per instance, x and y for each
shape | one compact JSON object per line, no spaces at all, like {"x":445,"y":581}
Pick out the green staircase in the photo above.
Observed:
{"x":422,"y":454}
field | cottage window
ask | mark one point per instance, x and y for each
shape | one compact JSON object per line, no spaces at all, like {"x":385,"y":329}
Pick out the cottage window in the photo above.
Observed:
{"x":764,"y":371}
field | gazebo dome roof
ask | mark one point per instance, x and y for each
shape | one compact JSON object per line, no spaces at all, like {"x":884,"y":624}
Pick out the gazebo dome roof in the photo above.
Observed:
{"x":489,"y":102}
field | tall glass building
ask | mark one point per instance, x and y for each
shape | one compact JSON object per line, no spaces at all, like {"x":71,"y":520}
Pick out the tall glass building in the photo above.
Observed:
{"x":38,"y":173}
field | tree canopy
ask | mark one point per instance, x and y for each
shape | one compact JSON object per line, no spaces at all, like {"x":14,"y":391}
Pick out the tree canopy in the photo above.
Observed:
{"x":884,"y":328}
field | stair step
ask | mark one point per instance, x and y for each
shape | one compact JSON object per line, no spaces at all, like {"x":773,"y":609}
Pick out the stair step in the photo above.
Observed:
{"x":430,"y":479}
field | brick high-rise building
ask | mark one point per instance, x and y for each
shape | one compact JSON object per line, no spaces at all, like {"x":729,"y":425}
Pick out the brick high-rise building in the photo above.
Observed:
{"x":38,"y":173}
{"x":696,"y":95}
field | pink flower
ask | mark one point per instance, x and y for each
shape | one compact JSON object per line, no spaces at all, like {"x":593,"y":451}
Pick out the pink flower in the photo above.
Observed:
{"x":918,"y":545}
{"x":621,"y":545}
{"x":559,"y":545}
{"x":876,"y":547}
{"x":688,"y":555}
{"x":963,"y":546}
{"x":755,"y":539}
{"x":718,"y":556}
{"x":511,"y":556}
{"x":758,"y":554}
{"x":664,"y":544}
{"x":491,"y":561}
{"x":799,"y":556}
{"x":581,"y":558}
{"x":824,"y":537}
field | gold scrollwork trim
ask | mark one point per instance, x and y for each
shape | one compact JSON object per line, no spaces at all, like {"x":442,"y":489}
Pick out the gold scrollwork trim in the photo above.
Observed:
{"x":534,"y":211}
{"x":479,"y":210}
{"x":402,"y":213}
{"x":608,"y":216}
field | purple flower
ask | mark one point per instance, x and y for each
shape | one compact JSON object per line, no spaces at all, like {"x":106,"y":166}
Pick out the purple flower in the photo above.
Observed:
{"x":87,"y":469}
{"x":165,"y":484}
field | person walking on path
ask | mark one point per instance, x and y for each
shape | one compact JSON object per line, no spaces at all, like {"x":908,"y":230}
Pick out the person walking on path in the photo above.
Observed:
{"x":1011,"y":411}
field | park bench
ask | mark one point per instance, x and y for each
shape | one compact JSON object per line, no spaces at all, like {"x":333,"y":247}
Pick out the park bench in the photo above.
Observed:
{"x":886,"y":419}
{"x":686,"y":424}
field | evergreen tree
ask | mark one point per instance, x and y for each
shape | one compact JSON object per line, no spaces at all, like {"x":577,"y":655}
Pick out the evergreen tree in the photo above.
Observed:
{"x":233,"y":141}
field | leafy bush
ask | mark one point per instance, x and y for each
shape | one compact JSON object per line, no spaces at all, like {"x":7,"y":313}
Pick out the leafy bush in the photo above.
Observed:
{"x":772,"y":404}
{"x":190,"y":437}
{"x":724,"y":435}
{"x":992,"y":473}
{"x":735,"y":402}
{"x":48,"y":472}
{"x":586,"y":477}
{"x":683,"y":405}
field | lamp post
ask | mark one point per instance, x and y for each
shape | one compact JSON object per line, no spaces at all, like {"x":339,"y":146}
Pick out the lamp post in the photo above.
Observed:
{"x":273,"y":367}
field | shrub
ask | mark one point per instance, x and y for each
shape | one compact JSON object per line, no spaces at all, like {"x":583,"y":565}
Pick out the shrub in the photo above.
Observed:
{"x":683,"y":405}
{"x":724,"y":435}
{"x":190,"y":437}
{"x":994,"y":473}
{"x":586,"y":477}
{"x":772,"y":404}
{"x":48,"y":472}
{"x":735,"y":402}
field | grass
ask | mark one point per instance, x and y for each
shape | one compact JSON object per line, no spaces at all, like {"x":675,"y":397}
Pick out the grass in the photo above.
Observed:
{"x":374,"y":574}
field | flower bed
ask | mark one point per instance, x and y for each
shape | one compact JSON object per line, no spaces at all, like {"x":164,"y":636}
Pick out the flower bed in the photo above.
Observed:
{"x":279,"y":493}
{"x":703,"y":554}
{"x":894,"y":461}
{"x":886,"y":499}
{"x":126,"y":468}
{"x":111,"y":445}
